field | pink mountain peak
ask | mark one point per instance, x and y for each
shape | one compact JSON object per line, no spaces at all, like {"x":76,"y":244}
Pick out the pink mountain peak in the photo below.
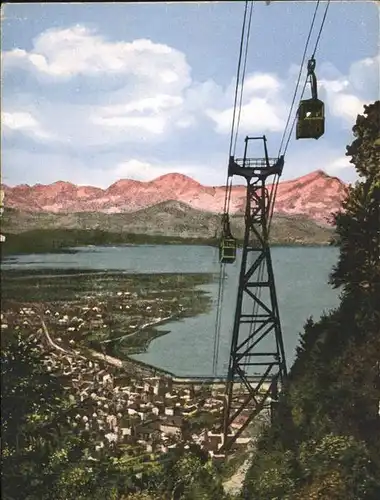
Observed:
{"x":124,"y":183}
{"x":175,"y":179}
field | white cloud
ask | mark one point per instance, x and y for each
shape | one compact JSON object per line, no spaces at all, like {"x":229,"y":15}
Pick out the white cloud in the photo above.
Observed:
{"x":365,"y":74}
{"x":78,"y":50}
{"x":262,"y":81}
{"x":157,"y":94}
{"x":20,"y":121}
{"x":139,"y":170}
{"x":256,"y":116}
{"x":156,"y":104}
{"x":144,"y":170}
{"x":339,"y":164}
{"x":148,"y":104}
{"x":347,"y":106}
{"x":153,"y":125}
{"x":340,"y":101}
{"x":147,"y":114}
{"x":17,"y":121}
{"x":263,"y":108}
{"x":346,"y":95}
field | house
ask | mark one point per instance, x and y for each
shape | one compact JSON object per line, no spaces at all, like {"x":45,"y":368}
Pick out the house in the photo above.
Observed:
{"x":169,"y":411}
{"x":170,"y":429}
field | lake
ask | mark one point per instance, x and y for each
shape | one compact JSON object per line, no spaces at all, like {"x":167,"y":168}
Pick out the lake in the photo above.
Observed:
{"x":301,"y":275}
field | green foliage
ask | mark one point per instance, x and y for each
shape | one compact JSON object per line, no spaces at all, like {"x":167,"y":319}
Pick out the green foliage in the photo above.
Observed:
{"x":358,"y":223}
{"x":187,"y":474}
{"x":365,"y":149}
{"x":345,"y":456}
{"x":272,"y":476}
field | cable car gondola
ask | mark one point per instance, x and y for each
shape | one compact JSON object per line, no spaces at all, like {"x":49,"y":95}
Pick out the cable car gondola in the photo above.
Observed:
{"x":311,"y":112}
{"x":227,"y":248}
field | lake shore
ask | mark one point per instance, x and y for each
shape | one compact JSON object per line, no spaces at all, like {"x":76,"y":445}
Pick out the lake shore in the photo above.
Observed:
{"x":175,"y":279}
{"x":65,"y":240}
{"x":113,"y":314}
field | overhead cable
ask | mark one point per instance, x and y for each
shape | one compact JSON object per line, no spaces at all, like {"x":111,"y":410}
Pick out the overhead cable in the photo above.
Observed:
{"x":306,"y":80}
{"x":299,"y":75}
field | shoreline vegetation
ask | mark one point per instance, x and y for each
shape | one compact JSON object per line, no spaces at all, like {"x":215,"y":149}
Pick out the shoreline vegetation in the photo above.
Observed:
{"x":66,"y":240}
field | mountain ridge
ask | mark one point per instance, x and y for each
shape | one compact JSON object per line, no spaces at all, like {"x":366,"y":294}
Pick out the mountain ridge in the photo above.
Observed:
{"x":315,"y":195}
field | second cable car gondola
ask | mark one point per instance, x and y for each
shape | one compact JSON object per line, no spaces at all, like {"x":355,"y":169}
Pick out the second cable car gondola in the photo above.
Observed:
{"x":227,"y":247}
{"x":311,"y":112}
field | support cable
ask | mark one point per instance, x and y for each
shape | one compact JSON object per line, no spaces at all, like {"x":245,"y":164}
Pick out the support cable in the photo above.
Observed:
{"x":320,"y":29}
{"x":243,"y":76}
{"x":218,"y":319}
{"x":272,"y":199}
{"x":299,"y":76}
{"x":227,"y":197}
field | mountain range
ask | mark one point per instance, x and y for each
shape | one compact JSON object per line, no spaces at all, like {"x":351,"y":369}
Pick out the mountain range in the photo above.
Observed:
{"x":313,"y":196}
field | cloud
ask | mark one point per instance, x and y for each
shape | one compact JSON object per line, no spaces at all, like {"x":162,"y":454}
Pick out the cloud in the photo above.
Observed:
{"x":347,"y":94}
{"x":155,"y":125}
{"x":147,"y":170}
{"x":256,"y":116}
{"x":140,"y":170}
{"x":341,"y":103}
{"x":77,"y":50}
{"x":155,"y":94}
{"x":24,"y":122}
{"x":263,"y":107}
{"x":365,"y":74}
{"x":146,"y":114}
{"x":347,"y":106}
{"x":262,"y":81}
{"x":339,"y":164}
{"x":32,"y":167}
{"x":149,"y":100}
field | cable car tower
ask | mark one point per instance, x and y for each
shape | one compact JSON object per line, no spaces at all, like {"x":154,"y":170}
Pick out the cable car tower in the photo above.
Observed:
{"x":257,"y":359}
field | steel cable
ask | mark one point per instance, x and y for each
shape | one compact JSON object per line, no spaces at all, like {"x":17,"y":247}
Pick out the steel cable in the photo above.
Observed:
{"x":299,"y":75}
{"x":228,"y":197}
{"x":306,"y":80}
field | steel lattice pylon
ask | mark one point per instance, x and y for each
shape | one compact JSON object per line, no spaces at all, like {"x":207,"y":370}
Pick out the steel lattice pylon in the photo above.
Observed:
{"x":257,"y":344}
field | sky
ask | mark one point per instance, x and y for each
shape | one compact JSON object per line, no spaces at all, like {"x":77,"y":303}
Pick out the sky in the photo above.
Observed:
{"x":97,"y":92}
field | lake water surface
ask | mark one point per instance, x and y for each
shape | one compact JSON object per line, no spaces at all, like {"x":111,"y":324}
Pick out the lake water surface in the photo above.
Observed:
{"x":301,"y":275}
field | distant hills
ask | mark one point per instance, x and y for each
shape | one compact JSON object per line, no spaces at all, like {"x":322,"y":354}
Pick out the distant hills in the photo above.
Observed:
{"x":313,"y":196}
{"x":170,"y":219}
{"x":172,"y":206}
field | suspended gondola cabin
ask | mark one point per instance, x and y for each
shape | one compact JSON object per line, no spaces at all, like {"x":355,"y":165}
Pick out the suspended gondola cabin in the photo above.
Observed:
{"x":310,"y":119}
{"x":227,"y":250}
{"x":227,"y":247}
{"x":311,"y":112}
